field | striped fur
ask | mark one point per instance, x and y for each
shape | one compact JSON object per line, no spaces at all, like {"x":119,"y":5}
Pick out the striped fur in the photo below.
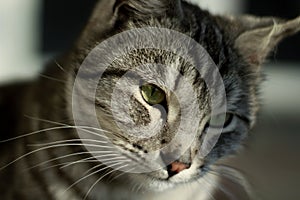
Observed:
{"x":51,"y":163}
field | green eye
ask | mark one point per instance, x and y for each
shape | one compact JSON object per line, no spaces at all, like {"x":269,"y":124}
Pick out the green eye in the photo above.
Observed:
{"x":221,"y":120}
{"x":152,"y":94}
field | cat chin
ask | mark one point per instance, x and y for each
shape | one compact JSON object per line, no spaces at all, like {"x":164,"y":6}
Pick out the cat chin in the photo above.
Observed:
{"x":159,"y":181}
{"x":154,"y":182}
{"x":196,"y":188}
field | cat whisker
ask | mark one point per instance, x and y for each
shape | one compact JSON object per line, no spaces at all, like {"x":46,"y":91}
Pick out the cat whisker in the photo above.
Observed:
{"x":190,"y":190}
{"x":221,"y":188}
{"x":139,"y":187}
{"x":95,"y":167}
{"x":98,"y":180}
{"x":208,"y":191}
{"x":91,"y":174}
{"x":52,"y":78}
{"x":61,"y":164}
{"x":94,"y":157}
{"x":63,"y":124}
{"x":47,"y":121}
{"x":60,"y":67}
{"x":78,"y":144}
{"x":109,"y":179}
{"x":228,"y":168}
{"x":54,"y":146}
{"x":221,"y":175}
{"x":249,"y":75}
{"x":66,"y":141}
{"x":54,"y":129}
{"x":59,"y":158}
{"x":100,"y":165}
{"x":232,"y":174}
{"x":80,"y":127}
{"x":121,"y":174}
{"x":88,"y":161}
{"x":33,"y":133}
{"x":140,"y":162}
{"x":69,"y":155}
{"x":135,"y":185}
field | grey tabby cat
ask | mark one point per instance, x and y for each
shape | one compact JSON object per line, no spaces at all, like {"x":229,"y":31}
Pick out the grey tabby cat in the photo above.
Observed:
{"x":51,"y":162}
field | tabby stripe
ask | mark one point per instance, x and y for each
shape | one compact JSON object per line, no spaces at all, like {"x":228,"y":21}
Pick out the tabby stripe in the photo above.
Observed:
{"x":38,"y":178}
{"x":67,"y":179}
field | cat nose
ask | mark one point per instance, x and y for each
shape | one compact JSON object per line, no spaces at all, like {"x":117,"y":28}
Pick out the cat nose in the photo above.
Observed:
{"x":176,"y":167}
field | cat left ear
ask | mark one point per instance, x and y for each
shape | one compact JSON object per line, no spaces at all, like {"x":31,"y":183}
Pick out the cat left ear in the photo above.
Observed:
{"x":147,"y":8}
{"x":256,"y":43}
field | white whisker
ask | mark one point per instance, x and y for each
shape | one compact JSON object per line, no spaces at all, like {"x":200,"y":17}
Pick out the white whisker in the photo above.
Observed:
{"x":61,"y":157}
{"x":80,"y":162}
{"x":208,"y":190}
{"x":55,"y":146}
{"x":52,"y":78}
{"x":80,"y":144}
{"x":70,"y":155}
{"x":60,"y":67}
{"x":98,"y":180}
{"x":63,"y":124}
{"x":95,"y":167}
{"x":221,"y":188}
{"x":94,"y":157}
{"x":91,"y":174}
{"x":230,"y":177}
{"x":121,"y":174}
{"x":83,"y":128}
{"x":61,"y":164}
{"x":65,"y":141}
{"x":235,"y":177}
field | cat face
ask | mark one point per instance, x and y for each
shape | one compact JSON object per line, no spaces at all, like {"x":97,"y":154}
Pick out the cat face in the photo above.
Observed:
{"x":146,"y":87}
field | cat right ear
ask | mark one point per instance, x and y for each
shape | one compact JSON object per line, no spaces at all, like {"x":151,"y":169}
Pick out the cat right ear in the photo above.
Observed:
{"x":256,"y":37}
{"x":256,"y":44}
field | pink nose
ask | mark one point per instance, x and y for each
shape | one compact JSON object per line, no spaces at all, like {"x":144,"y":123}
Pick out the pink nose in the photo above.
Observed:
{"x":177,"y":167}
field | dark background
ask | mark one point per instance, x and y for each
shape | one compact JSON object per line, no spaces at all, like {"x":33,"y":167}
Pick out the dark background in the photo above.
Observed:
{"x":63,"y":20}
{"x":289,"y":50}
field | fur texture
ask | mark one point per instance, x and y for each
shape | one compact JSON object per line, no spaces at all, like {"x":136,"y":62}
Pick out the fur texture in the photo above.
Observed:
{"x":52,"y":163}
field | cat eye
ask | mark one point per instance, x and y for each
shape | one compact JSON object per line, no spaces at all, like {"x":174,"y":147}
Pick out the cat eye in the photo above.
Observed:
{"x":220,"y":120}
{"x":152,"y":94}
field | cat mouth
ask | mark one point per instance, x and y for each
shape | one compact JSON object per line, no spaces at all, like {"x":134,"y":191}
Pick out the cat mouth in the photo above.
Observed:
{"x":165,"y":182}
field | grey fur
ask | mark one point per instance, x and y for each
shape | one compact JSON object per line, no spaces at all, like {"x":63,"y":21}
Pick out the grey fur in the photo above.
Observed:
{"x":45,"y":104}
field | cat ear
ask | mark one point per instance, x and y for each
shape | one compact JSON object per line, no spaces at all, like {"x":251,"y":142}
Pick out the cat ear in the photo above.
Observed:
{"x":108,"y":13}
{"x":140,"y":9}
{"x":257,"y":37}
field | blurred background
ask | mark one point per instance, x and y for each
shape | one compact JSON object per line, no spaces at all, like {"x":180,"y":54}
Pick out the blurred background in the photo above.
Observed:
{"x":34,"y":31}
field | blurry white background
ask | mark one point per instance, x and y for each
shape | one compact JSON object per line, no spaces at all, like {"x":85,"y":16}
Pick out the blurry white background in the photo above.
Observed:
{"x":19,"y":39}
{"x":222,"y":6}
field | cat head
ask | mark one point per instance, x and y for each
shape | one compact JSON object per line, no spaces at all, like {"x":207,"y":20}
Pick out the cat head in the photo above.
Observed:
{"x":235,"y":46}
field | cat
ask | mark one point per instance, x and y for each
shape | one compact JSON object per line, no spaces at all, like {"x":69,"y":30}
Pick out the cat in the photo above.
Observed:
{"x":54,"y":146}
